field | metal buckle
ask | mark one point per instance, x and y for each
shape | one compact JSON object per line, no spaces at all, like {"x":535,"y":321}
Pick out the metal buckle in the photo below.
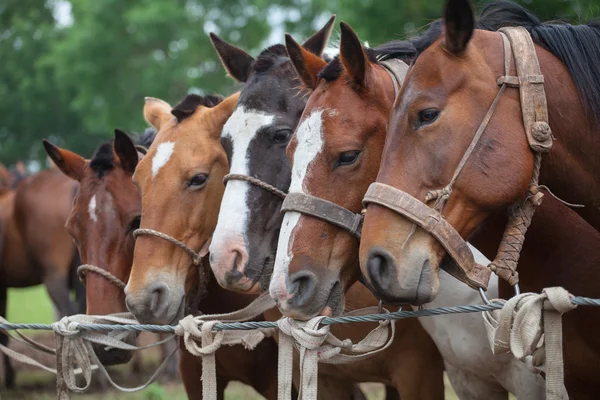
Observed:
{"x":487,"y":301}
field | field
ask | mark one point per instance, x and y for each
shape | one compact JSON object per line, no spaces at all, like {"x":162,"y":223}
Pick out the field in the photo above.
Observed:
{"x":33,"y":305}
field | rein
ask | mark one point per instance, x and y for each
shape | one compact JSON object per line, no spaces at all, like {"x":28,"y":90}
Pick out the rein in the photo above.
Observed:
{"x":328,"y":211}
{"x":534,"y":108}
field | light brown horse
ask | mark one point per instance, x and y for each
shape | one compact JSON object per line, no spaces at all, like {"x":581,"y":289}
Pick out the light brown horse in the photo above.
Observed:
{"x":445,"y":95}
{"x":180,"y":180}
{"x":35,"y":247}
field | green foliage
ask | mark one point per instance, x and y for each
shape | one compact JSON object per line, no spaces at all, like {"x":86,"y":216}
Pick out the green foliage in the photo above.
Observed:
{"x":75,"y":82}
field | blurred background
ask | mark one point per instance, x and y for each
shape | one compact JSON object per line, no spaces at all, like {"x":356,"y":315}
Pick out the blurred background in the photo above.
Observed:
{"x":73,"y":70}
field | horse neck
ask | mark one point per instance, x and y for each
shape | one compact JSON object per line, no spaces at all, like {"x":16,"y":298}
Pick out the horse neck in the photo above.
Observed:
{"x":569,"y":169}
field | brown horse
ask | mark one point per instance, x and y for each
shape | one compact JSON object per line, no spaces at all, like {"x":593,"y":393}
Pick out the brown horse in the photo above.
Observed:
{"x":359,"y":79}
{"x":35,"y":246}
{"x":180,"y":180}
{"x":105,"y":211}
{"x":431,"y":128}
{"x":443,"y":100}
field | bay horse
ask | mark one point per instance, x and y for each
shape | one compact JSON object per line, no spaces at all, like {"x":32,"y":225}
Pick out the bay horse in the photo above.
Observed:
{"x":331,"y":130}
{"x":35,"y":247}
{"x":445,"y":95}
{"x":245,"y":240}
{"x":180,"y":183}
{"x":105,"y":212}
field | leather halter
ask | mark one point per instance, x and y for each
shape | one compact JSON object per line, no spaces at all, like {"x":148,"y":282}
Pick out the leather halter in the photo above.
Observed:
{"x":325,"y":210}
{"x":530,"y":82}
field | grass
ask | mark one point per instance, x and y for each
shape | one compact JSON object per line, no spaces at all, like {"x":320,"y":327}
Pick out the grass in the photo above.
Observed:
{"x":30,"y":305}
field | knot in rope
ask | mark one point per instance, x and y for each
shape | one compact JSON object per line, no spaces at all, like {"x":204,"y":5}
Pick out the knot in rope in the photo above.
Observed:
{"x":540,"y":130}
{"x":193,"y":330}
{"x":530,"y":327}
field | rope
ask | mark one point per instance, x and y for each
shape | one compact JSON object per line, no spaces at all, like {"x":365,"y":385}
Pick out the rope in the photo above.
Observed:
{"x":196,"y":258}
{"x":83,"y":269}
{"x":255,"y":182}
{"x":529,"y":326}
{"x":75,"y":335}
{"x":398,"y":315}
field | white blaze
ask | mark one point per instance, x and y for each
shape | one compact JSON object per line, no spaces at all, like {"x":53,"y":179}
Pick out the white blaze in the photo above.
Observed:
{"x":92,"y":209}
{"x":309,"y":136}
{"x":240,"y":128}
{"x":162,"y":156}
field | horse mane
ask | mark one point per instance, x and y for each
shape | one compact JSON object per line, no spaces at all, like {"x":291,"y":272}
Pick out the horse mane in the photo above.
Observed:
{"x":269,"y":57}
{"x":576,"y":46}
{"x":103,"y":160}
{"x":191,"y":102}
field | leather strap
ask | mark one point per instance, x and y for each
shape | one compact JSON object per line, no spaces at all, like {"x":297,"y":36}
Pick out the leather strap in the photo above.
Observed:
{"x":397,"y":69}
{"x":531,"y":88}
{"x":325,"y":210}
{"x":465,"y":268}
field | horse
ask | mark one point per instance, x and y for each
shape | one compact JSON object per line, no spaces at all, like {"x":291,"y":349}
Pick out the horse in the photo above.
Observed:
{"x":245,"y":240}
{"x":445,"y":95}
{"x":331,"y":130}
{"x":105,"y":212}
{"x":35,"y":247}
{"x":180,"y":182}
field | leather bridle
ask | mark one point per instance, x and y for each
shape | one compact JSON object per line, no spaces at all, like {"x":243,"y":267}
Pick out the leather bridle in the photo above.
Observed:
{"x":530,"y":82}
{"x":326,"y":210}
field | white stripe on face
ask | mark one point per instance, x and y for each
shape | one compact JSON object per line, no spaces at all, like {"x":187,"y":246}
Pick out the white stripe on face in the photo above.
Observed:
{"x":309,"y":136}
{"x":92,"y":209}
{"x":241,"y":129}
{"x":162,"y":156}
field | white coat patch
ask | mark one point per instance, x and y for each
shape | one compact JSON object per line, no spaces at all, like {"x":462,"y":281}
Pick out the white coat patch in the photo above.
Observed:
{"x":162,"y":156}
{"x":241,"y":128}
{"x":92,"y":209}
{"x":309,"y":136}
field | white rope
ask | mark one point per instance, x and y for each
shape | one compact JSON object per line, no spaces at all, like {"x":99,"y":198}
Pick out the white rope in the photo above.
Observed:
{"x":530,"y":327}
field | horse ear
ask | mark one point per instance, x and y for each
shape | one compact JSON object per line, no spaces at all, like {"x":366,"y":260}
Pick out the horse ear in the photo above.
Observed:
{"x":223,"y":111}
{"x":69,"y":163}
{"x":353,"y":55}
{"x":307,"y":64}
{"x":235,"y":60}
{"x":156,"y":112}
{"x":316,"y":43}
{"x":126,"y":151}
{"x":459,"y":23}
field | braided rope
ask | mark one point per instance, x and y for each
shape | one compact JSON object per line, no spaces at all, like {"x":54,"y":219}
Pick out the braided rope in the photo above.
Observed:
{"x":577,"y":300}
{"x":82,"y":270}
{"x":196,"y":258}
{"x":255,"y":182}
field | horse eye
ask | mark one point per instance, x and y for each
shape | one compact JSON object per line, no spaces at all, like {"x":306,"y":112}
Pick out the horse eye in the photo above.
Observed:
{"x":197,"y":181}
{"x":135,"y":223}
{"x":348,"y":158}
{"x":282,"y":136}
{"x":428,"y":116}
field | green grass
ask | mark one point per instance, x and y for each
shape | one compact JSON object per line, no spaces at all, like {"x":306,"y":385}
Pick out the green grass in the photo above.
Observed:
{"x":30,"y":305}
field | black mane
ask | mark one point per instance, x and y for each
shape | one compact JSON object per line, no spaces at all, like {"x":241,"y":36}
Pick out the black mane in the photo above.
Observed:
{"x":269,"y":57}
{"x":191,"y":102}
{"x":577,"y":46}
{"x":103,"y":160}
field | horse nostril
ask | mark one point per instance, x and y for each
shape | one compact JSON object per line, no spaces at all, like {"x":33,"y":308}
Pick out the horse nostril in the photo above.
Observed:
{"x":302,"y":286}
{"x":380,"y":266}
{"x":159,"y":295}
